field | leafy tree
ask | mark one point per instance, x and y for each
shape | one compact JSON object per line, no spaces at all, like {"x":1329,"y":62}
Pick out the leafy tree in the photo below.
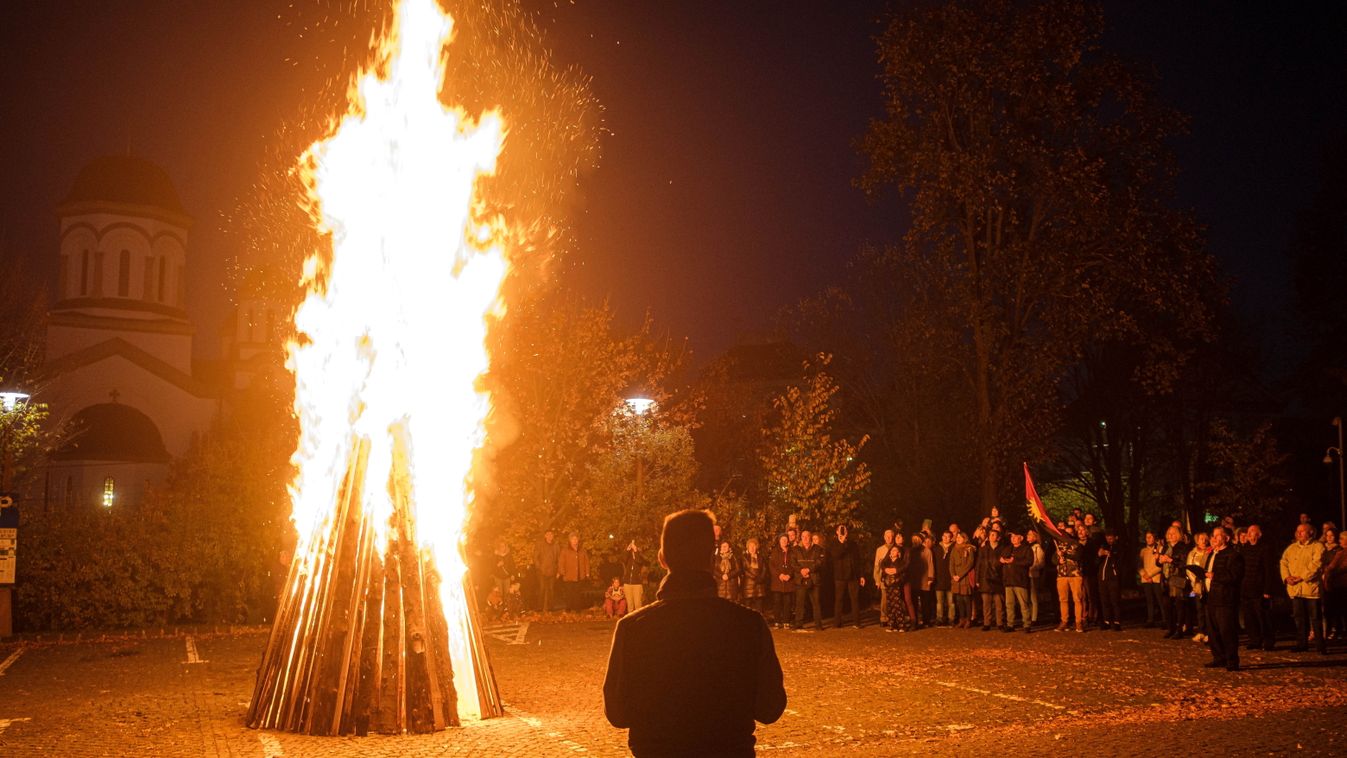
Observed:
{"x":1037,"y":178}
{"x":560,"y":368}
{"x":1247,"y":479}
{"x":646,"y":474}
{"x":810,"y":472}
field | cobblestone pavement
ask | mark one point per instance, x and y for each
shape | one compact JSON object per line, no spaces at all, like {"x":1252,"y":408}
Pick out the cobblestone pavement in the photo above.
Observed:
{"x":852,"y":692}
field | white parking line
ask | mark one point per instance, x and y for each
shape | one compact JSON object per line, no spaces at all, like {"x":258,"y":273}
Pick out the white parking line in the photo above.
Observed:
{"x":1002,"y":695}
{"x":14,"y":656}
{"x":192,"y":656}
{"x":4,"y":723}
{"x":271,"y":747}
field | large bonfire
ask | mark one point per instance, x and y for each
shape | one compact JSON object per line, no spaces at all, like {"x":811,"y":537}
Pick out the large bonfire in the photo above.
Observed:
{"x":375,"y":631}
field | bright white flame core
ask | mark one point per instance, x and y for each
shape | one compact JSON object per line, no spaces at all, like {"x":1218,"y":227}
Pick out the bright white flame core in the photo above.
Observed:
{"x":392,"y":333}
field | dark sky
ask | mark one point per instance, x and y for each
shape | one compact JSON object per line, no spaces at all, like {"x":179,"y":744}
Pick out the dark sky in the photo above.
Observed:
{"x":725,"y":186}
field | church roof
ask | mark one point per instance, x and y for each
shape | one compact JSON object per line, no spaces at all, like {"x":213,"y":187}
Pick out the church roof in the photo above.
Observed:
{"x":125,"y":179}
{"x":113,"y":432}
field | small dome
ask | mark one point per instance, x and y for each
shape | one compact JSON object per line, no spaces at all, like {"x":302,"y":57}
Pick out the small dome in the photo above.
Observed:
{"x":125,"y":179}
{"x":113,"y":432}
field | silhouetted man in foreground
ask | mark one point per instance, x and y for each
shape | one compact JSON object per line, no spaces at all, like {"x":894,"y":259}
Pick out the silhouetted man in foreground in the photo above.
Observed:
{"x":691,"y":672}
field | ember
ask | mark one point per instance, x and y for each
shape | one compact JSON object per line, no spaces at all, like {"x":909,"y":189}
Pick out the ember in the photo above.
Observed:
{"x":375,"y":630}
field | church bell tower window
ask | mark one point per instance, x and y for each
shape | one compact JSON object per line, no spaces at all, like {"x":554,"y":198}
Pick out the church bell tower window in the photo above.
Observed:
{"x":124,"y":274}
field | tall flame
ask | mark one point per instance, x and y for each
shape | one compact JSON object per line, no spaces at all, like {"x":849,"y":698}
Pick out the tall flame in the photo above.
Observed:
{"x":391,"y":342}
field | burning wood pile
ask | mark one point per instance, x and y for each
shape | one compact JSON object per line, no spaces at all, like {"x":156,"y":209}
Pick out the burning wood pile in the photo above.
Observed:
{"x":376,"y":630}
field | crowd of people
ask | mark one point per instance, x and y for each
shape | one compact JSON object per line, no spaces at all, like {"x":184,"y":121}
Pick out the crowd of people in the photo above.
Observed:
{"x":1202,"y":586}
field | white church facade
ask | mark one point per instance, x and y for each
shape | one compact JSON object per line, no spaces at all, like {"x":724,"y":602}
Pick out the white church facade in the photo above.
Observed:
{"x":118,"y":372}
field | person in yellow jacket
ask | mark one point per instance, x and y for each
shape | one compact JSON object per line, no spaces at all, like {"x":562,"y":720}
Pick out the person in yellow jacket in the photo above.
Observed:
{"x":1301,"y":568}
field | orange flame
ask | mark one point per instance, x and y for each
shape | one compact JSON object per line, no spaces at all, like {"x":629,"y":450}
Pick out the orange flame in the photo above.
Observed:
{"x":392,"y":332}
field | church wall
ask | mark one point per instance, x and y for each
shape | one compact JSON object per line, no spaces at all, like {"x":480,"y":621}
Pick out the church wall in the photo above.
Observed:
{"x":91,"y":256}
{"x":173,"y":349}
{"x":179,"y":415}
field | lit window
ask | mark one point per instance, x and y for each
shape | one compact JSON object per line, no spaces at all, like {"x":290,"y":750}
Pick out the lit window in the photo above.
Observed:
{"x":109,"y":491}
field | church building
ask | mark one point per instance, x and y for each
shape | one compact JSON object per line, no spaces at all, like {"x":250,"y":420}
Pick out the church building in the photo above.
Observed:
{"x":118,"y":374}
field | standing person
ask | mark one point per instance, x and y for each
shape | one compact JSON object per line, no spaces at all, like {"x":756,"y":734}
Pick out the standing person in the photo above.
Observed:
{"x":1301,"y":571}
{"x":727,"y":572}
{"x":1069,"y":581}
{"x":1148,"y":575}
{"x":1015,"y":576}
{"x":502,"y":572}
{"x":926,"y":588}
{"x":891,"y":569}
{"x":1092,"y":538}
{"x":546,"y":553}
{"x":1036,"y":570}
{"x":1110,"y":583}
{"x":690,"y":673}
{"x":783,"y":581}
{"x":1171,"y":560}
{"x":881,"y":553}
{"x":1197,"y":582}
{"x":990,"y":583}
{"x":943,"y":582}
{"x":806,"y":559}
{"x":573,"y":570}
{"x":1256,"y":591}
{"x":916,"y":574}
{"x":634,"y":569}
{"x":1327,"y":600}
{"x":754,"y":580}
{"x":1225,"y":578}
{"x":848,"y":574}
{"x":962,"y":565}
{"x":1334,"y":585}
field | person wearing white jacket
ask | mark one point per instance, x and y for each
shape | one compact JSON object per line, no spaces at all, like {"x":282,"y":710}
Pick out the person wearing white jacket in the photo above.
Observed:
{"x":1302,"y":565}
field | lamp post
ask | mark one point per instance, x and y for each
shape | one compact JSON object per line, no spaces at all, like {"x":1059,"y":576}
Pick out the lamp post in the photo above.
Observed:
{"x":10,"y":400}
{"x":640,"y":406}
{"x":1328,"y":459}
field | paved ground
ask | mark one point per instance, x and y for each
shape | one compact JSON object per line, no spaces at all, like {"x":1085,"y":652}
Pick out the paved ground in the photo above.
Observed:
{"x":852,"y":693}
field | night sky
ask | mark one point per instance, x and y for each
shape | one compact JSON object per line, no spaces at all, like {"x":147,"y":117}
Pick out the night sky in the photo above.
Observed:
{"x":724,"y":191}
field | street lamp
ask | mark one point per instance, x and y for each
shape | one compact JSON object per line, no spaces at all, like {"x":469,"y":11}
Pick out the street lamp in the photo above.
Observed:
{"x":1328,"y":459}
{"x":11,"y":399}
{"x":640,"y":406}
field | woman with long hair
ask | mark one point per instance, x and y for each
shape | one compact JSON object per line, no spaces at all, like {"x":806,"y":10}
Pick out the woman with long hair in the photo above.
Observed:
{"x":892,"y":570}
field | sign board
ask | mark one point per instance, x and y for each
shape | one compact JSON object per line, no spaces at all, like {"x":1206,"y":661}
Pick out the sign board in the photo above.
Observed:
{"x":9,"y":537}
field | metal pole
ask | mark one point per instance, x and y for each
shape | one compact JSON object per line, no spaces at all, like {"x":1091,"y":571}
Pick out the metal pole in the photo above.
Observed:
{"x":1342,"y":491}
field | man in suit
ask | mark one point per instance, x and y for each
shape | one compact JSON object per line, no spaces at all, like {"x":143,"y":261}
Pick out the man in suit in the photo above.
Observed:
{"x":1260,"y":583}
{"x":1224,"y":581}
{"x":690,"y":673}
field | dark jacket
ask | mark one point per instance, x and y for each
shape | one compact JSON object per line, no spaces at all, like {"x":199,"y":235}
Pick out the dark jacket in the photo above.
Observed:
{"x":545,"y":557}
{"x":691,"y":672}
{"x":989,"y":567}
{"x":754,"y":577}
{"x":1016,"y":573}
{"x":778,"y":563}
{"x":726,"y":570}
{"x":1108,"y":570}
{"x":845,"y":560}
{"x":633,"y":568}
{"x":811,"y":558}
{"x":940,"y":555}
{"x":1225,"y":577}
{"x":1176,"y":578}
{"x":1261,"y":575}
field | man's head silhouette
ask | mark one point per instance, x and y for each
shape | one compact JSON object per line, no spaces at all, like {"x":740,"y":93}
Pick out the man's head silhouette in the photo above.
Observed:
{"x":688,"y":541}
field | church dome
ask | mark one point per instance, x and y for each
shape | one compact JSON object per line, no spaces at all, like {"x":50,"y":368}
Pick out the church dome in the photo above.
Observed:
{"x":113,"y":432}
{"x":125,"y":179}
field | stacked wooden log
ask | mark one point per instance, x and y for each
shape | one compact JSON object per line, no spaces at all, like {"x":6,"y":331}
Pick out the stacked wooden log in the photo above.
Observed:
{"x":360,"y":643}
